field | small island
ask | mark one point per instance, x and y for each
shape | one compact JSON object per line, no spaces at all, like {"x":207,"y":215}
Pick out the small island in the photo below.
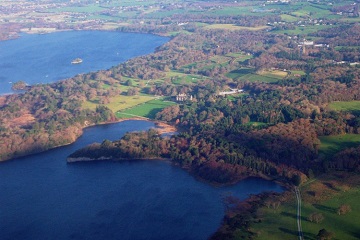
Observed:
{"x":19,"y":85}
{"x":77,"y":61}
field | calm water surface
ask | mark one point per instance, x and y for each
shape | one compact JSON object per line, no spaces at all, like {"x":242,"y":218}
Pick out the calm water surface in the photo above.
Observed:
{"x":47,"y":58}
{"x":43,"y":197}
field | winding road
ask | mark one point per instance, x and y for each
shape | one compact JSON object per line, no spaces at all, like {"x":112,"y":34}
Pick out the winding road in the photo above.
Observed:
{"x":298,"y":215}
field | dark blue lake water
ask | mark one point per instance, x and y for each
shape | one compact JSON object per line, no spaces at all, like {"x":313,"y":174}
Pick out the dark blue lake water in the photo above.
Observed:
{"x":47,"y":58}
{"x":43,"y":197}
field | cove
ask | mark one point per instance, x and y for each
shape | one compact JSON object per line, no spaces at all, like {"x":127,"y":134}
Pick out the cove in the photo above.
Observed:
{"x":43,"y":197}
{"x":47,"y":58}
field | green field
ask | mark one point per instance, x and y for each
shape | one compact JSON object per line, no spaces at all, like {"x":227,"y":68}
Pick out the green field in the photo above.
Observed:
{"x":350,"y":106}
{"x":91,"y":8}
{"x":330,"y":145}
{"x":304,"y":30}
{"x":147,"y":109}
{"x":257,"y":124}
{"x":274,"y":74}
{"x":343,"y":226}
{"x":249,"y":74}
{"x":213,"y":62}
{"x":281,"y":223}
{"x":338,"y":48}
{"x":297,"y":72}
{"x":235,"y":27}
{"x":277,"y":223}
{"x":179,"y":78}
{"x":350,"y":20}
{"x":240,"y":57}
{"x":119,"y":102}
{"x":288,"y":18}
{"x":231,"y":11}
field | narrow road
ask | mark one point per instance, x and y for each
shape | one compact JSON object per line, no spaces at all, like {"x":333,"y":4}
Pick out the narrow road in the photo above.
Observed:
{"x":298,"y":215}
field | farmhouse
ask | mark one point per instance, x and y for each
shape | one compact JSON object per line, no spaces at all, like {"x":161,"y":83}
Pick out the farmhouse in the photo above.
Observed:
{"x":232,"y":91}
{"x":183,"y":97}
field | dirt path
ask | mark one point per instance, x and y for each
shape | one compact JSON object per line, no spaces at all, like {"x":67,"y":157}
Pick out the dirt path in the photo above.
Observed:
{"x":298,"y":215}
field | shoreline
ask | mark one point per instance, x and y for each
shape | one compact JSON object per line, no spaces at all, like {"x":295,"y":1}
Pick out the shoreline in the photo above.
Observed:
{"x":110,"y":159}
{"x":162,"y":127}
{"x":165,"y":128}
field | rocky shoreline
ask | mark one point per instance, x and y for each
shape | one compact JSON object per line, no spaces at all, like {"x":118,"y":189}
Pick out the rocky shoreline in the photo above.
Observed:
{"x":103,"y":158}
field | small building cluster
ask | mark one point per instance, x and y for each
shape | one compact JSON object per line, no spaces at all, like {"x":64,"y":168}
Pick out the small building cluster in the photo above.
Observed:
{"x":232,"y":91}
{"x":183,"y":97}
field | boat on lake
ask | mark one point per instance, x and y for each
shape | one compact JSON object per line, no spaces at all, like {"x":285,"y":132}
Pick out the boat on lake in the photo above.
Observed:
{"x":76,"y":61}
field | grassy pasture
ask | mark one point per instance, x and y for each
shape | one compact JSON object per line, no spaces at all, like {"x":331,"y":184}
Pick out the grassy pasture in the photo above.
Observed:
{"x":110,"y":25}
{"x":217,"y":61}
{"x":181,"y":78}
{"x":350,"y":20}
{"x":297,"y":72}
{"x":330,"y":145}
{"x":234,"y":27}
{"x":240,"y":73}
{"x":240,"y":57}
{"x":338,"y":48}
{"x":303,"y":30}
{"x":273,"y":74}
{"x":288,"y":18}
{"x":349,"y":106}
{"x":91,"y":8}
{"x":277,"y":223}
{"x":343,"y":226}
{"x":321,"y":196}
{"x":119,"y":102}
{"x":249,"y":74}
{"x":147,"y":109}
{"x":169,"y":13}
{"x":231,"y":11}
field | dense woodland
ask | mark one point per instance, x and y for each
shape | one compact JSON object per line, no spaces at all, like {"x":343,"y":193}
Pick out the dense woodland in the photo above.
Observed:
{"x":293,"y":112}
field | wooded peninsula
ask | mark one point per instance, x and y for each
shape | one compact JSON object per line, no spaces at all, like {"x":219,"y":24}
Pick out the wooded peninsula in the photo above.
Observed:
{"x":255,"y":88}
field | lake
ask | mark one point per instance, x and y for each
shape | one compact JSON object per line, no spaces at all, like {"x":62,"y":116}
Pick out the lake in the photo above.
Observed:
{"x":47,"y":58}
{"x":43,"y":197}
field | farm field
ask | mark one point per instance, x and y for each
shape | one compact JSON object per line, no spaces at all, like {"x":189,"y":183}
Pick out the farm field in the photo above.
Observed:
{"x":120,"y":102}
{"x":249,"y":74}
{"x":240,"y":57}
{"x":179,"y":78}
{"x":343,"y":226}
{"x":147,"y":109}
{"x":289,"y":18}
{"x":330,"y":145}
{"x":323,"y":196}
{"x":235,"y":27}
{"x":274,"y":74}
{"x":350,"y":106}
{"x":273,"y":227}
{"x":297,"y":72}
{"x":303,"y":29}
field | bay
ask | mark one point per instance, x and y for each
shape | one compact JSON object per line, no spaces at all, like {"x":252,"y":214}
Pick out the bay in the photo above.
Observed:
{"x":43,"y":197}
{"x":47,"y":58}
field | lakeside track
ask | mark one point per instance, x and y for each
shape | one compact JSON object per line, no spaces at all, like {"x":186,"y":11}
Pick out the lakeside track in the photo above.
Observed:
{"x":298,"y":214}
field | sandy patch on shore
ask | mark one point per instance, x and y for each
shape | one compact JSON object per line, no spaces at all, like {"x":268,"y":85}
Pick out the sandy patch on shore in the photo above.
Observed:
{"x":165,"y":128}
{"x":39,"y":30}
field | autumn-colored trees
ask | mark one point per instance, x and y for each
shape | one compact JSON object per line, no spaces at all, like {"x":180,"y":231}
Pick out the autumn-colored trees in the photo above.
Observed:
{"x":316,"y":217}
{"x":138,"y":145}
